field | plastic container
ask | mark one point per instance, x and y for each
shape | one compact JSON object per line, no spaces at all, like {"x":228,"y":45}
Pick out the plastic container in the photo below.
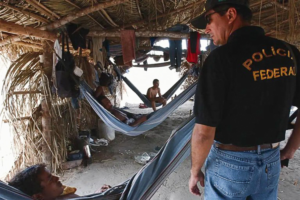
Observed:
{"x":78,"y":72}
{"x":105,"y":131}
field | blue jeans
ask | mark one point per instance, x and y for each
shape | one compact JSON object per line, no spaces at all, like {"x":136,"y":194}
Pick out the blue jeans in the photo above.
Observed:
{"x":175,"y":52}
{"x":239,"y":175}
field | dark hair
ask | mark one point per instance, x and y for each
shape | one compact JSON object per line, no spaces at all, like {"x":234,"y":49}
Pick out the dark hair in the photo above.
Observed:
{"x":155,"y":81}
{"x":243,"y":11}
{"x":28,"y":181}
{"x":100,"y":98}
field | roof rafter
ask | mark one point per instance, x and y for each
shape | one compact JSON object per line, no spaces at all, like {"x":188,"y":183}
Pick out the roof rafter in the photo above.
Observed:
{"x":161,"y":15}
{"x":24,"y":12}
{"x":41,"y":8}
{"x":137,"y":2}
{"x":67,"y":19}
{"x":106,"y":16}
{"x":76,"y":6}
{"x":81,"y":13}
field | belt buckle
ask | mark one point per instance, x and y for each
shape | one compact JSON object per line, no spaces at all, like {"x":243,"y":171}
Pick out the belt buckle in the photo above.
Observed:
{"x":275,"y":145}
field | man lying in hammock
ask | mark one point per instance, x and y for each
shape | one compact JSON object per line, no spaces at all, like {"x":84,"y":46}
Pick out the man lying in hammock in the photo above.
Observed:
{"x":127,"y":118}
{"x":36,"y":181}
{"x":152,"y":95}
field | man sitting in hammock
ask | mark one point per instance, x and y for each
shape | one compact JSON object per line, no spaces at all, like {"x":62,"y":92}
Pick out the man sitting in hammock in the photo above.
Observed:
{"x":127,"y":118}
{"x":152,"y":95}
{"x":36,"y":181}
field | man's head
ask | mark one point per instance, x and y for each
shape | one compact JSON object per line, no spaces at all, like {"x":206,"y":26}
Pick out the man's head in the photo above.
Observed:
{"x":155,"y":82}
{"x":105,"y":102}
{"x":38,"y":182}
{"x":222,"y":17}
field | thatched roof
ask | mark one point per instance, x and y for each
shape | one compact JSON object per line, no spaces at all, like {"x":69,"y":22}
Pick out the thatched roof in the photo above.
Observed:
{"x":279,"y":18}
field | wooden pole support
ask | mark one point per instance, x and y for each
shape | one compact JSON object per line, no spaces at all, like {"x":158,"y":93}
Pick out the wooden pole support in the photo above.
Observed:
{"x":25,"y":31}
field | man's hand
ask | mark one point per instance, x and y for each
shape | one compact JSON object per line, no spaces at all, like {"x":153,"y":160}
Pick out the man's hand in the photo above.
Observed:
{"x":193,"y":183}
{"x":286,"y":154}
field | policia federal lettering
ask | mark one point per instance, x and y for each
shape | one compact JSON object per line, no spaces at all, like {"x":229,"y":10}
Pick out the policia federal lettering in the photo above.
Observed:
{"x":266,"y":74}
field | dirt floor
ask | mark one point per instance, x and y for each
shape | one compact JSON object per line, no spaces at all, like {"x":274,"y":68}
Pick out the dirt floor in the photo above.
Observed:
{"x":115,"y":164}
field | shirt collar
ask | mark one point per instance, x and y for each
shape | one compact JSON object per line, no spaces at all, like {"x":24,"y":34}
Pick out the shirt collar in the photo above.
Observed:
{"x":246,"y":31}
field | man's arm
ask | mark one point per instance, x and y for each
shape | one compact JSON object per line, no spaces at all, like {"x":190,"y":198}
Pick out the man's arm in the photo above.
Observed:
{"x":149,"y":94}
{"x":293,"y":143}
{"x":202,"y":140}
{"x":159,"y":93}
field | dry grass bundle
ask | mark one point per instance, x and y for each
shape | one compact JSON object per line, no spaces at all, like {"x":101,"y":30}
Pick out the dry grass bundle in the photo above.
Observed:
{"x":25,"y":87}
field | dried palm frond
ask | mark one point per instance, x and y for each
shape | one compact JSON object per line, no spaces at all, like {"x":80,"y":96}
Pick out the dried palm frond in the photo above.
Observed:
{"x":25,"y":87}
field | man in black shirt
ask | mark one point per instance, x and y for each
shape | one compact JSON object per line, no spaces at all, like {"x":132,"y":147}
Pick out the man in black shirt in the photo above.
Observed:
{"x":242,"y":104}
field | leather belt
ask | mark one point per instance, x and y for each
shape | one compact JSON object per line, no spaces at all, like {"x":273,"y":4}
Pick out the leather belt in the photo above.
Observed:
{"x":230,"y":147}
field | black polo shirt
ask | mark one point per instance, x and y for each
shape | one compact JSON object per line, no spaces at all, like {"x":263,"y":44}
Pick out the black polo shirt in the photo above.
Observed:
{"x":247,"y":87}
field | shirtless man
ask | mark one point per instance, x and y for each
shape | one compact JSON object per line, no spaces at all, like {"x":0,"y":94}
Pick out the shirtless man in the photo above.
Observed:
{"x":152,"y":95}
{"x":130,"y":119}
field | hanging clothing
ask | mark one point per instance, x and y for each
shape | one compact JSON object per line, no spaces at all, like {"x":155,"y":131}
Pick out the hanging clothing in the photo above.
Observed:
{"x":152,"y":41}
{"x":194,"y":37}
{"x":193,"y":57}
{"x":115,"y":50}
{"x":56,"y":56}
{"x":77,"y":35}
{"x":175,"y":52}
{"x":128,"y":46}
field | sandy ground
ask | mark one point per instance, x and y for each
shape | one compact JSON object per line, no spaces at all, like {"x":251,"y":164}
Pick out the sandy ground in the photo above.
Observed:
{"x":115,"y":164}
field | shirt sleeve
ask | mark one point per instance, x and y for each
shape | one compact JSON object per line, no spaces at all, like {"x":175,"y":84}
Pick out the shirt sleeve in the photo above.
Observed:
{"x":296,"y":101}
{"x":211,"y":92}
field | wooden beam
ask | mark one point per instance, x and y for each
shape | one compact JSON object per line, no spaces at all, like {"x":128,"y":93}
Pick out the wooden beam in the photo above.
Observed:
{"x":85,"y":11}
{"x":10,"y":39}
{"x":25,"y":92}
{"x":34,"y":46}
{"x":165,"y":64}
{"x":25,"y":31}
{"x":108,"y":18}
{"x":24,"y":12}
{"x":146,"y":34}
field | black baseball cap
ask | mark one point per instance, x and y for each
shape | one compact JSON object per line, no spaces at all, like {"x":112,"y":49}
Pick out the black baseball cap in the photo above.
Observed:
{"x":200,"y":21}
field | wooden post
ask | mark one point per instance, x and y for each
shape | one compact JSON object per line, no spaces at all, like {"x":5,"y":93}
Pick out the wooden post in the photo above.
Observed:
{"x":46,"y":117}
{"x":46,"y":124}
